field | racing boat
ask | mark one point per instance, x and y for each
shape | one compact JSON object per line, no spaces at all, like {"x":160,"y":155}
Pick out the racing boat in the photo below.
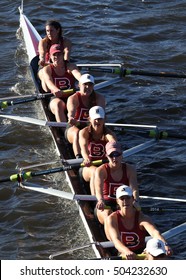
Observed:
{"x":64,"y":149}
{"x":101,"y":246}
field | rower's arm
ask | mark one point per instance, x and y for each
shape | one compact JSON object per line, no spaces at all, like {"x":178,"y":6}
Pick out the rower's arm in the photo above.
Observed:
{"x":75,"y":71}
{"x":42,"y":52}
{"x":150,"y":227}
{"x":47,"y":79}
{"x":114,"y":235}
{"x":132,"y":176}
{"x":72,"y":104}
{"x":83,"y":142}
{"x":100,"y":176}
{"x":67,"y":49}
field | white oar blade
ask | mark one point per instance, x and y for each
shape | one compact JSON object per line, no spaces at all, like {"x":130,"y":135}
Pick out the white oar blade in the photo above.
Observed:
{"x":25,"y":119}
{"x":34,"y":121}
{"x":48,"y":191}
{"x":163,"y":198}
{"x":58,"y":193}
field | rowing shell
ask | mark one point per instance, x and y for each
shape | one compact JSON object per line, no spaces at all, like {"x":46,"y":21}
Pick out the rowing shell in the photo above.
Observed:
{"x":64,"y":150}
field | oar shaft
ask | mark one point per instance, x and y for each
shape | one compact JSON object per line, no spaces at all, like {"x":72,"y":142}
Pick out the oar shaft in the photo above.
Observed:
{"x":155,"y":74}
{"x":163,"y":198}
{"x":29,"y":174}
{"x":124,"y":72}
{"x":5,"y":103}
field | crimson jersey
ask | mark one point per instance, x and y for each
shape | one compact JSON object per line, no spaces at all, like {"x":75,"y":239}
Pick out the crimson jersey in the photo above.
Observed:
{"x":110,"y":185}
{"x":82,"y":112}
{"x":96,"y":149}
{"x":134,"y":238}
{"x":67,"y":81}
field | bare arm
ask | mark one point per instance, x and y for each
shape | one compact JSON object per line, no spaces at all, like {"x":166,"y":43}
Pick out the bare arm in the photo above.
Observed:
{"x":42,"y":51}
{"x":67,"y":49}
{"x":132,"y":176}
{"x":83,"y":142}
{"x":110,"y":135}
{"x":47,"y":77}
{"x":74,"y":70}
{"x":150,"y":227}
{"x":72,"y":104}
{"x":100,"y":176}
{"x":114,"y":236}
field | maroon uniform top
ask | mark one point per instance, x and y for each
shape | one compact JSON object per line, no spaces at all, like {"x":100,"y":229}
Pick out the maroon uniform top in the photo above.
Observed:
{"x":134,"y":238}
{"x":110,"y":185}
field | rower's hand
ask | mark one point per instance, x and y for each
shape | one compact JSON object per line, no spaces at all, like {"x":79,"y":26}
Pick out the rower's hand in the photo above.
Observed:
{"x":41,"y":62}
{"x":100,"y":205}
{"x":129,"y":255}
{"x":87,"y":162}
{"x":72,"y":121}
{"x":169,"y":251}
{"x":137,"y":205}
{"x":58,"y":93}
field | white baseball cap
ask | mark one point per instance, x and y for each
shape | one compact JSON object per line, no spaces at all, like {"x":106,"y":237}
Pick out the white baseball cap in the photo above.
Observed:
{"x":123,"y":190}
{"x":155,"y":247}
{"x":86,"y":78}
{"x":96,"y":112}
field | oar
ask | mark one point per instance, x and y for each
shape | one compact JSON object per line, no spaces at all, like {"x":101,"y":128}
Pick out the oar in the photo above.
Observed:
{"x":63,"y":161}
{"x":153,"y":133}
{"x":108,"y":244}
{"x":139,"y":257}
{"x":30,"y":174}
{"x":24,"y":99}
{"x":34,"y":121}
{"x":172,"y":232}
{"x":58,"y":193}
{"x":163,"y":198}
{"x":125,"y":72}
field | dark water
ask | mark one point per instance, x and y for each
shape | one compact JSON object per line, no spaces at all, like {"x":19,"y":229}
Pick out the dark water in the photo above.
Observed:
{"x":147,"y":35}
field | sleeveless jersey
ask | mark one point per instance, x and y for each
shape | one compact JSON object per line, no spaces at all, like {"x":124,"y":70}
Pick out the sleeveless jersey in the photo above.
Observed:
{"x":134,"y":238}
{"x":110,"y":185}
{"x":82,"y":112}
{"x":96,"y":149}
{"x":67,"y":81}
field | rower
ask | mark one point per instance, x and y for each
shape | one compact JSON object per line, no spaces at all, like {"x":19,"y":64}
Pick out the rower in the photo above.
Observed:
{"x":155,"y":250}
{"x":78,"y":106}
{"x":92,"y":140}
{"x":110,"y":176}
{"x":55,"y":78}
{"x":127,"y":227}
{"x":53,"y":36}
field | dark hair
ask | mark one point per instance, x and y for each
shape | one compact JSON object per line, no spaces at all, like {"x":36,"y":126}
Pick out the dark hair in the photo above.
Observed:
{"x":56,"y":25}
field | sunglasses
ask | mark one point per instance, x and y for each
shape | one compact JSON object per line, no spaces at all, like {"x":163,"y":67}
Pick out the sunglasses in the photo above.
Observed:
{"x":115,"y":154}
